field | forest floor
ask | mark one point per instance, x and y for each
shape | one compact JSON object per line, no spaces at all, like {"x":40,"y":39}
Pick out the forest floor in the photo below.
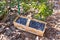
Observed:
{"x":9,"y":32}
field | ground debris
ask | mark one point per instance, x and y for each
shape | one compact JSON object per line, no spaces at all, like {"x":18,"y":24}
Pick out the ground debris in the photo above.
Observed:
{"x":9,"y":32}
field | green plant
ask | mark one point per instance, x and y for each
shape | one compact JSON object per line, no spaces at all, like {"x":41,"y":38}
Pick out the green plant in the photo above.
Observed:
{"x":2,"y":7}
{"x":25,"y":6}
{"x":13,"y":3}
{"x":44,"y":9}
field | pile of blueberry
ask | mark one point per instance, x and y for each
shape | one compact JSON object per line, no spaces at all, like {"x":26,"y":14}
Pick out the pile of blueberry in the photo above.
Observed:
{"x":33,"y":24}
{"x":22,"y":20}
{"x":37,"y":25}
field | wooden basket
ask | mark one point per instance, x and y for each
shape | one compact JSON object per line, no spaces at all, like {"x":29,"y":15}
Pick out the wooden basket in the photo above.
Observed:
{"x":27,"y":28}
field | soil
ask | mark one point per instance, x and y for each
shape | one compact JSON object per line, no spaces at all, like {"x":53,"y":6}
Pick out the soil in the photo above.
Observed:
{"x":9,"y":32}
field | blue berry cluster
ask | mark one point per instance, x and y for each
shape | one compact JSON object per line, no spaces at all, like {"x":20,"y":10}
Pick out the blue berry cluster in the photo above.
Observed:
{"x":33,"y":24}
{"x":22,"y":21}
{"x":37,"y":25}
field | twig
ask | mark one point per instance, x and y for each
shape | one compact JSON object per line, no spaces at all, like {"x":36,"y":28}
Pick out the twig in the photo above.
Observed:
{"x":2,"y":23}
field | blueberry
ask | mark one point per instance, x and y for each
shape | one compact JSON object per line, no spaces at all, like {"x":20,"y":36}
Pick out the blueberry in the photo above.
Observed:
{"x":22,"y":21}
{"x":37,"y":25}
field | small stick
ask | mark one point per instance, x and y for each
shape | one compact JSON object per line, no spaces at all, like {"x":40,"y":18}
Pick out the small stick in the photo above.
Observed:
{"x":1,"y":23}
